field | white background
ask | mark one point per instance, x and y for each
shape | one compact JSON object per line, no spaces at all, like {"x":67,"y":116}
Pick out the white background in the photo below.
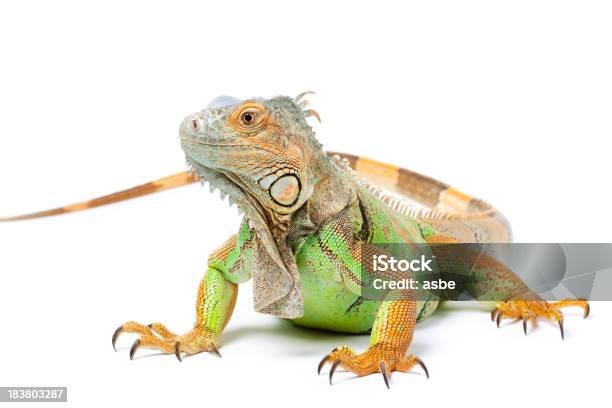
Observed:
{"x":509,"y":101}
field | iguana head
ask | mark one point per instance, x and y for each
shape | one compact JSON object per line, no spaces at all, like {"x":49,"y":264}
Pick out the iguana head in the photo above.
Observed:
{"x":258,"y":151}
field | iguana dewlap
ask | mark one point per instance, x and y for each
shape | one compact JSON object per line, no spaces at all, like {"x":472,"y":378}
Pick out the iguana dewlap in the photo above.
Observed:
{"x":306,"y":215}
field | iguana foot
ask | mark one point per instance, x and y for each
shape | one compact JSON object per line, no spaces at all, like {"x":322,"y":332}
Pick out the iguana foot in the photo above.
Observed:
{"x":532,"y":309}
{"x":381,"y":358}
{"x":157,"y":336}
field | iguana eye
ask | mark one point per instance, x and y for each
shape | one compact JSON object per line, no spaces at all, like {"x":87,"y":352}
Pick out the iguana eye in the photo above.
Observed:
{"x":248,"y":118}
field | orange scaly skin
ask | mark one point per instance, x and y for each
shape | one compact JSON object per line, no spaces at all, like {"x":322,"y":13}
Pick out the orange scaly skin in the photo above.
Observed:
{"x":387,"y":352}
{"x":527,"y":310}
{"x":307,"y":213}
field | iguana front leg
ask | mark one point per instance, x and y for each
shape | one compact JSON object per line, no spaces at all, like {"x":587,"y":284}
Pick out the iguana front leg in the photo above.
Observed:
{"x":395,"y":319}
{"x":389,"y":341}
{"x":214,"y":306}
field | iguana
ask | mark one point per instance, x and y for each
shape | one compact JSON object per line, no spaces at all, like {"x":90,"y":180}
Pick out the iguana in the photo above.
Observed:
{"x":307,"y":214}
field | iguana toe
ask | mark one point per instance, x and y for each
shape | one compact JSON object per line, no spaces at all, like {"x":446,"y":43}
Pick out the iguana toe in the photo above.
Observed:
{"x":379,"y":358}
{"x":527,"y":310}
{"x":157,"y":336}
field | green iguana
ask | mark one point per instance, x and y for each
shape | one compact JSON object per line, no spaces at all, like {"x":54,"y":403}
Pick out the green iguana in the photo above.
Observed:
{"x":306,"y":215}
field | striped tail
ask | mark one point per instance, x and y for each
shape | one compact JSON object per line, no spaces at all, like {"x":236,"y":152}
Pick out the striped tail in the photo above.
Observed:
{"x":444,"y":205}
{"x":177,"y":180}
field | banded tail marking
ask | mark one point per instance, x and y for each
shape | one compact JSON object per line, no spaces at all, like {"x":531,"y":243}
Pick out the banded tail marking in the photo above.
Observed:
{"x":165,"y":183}
{"x":423,"y":189}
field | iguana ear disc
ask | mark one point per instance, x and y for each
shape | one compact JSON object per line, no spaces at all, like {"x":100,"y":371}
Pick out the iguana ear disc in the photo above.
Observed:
{"x":286,"y":190}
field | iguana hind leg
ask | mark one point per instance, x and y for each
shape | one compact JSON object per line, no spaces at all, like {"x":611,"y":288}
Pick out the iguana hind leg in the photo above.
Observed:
{"x":390,"y":338}
{"x":214,"y":306}
{"x":489,"y":279}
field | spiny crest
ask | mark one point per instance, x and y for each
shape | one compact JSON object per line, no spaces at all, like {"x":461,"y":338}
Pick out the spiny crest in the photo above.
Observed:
{"x":400,"y":205}
{"x":301,"y":103}
{"x":212,"y":187}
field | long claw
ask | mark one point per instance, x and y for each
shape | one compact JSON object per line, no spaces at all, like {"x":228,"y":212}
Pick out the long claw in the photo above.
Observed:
{"x":383,"y":371}
{"x":134,"y":348}
{"x":322,"y":363}
{"x":560,"y":321}
{"x":525,"y":324}
{"x":177,"y":350}
{"x":494,"y":314}
{"x":334,"y":365}
{"x":587,"y":310}
{"x":422,"y":364}
{"x":325,"y":360}
{"x":215,"y":349}
{"x":116,"y":336}
{"x":499,"y":316}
